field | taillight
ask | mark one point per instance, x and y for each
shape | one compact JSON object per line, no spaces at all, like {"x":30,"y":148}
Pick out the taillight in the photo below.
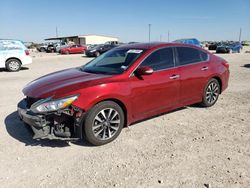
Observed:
{"x":225,"y":64}
{"x":27,"y":52}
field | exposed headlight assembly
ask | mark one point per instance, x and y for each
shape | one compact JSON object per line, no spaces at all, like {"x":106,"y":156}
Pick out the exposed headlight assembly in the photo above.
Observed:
{"x":50,"y":105}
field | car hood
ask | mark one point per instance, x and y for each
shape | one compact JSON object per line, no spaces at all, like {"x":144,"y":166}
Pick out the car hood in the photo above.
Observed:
{"x":61,"y":83}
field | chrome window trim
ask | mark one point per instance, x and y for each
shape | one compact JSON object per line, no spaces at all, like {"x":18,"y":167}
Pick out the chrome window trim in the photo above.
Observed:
{"x":174,"y":59}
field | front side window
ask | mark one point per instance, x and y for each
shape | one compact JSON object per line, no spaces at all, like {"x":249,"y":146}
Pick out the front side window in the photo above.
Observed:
{"x":160,"y":59}
{"x":115,"y":61}
{"x":187,"y":55}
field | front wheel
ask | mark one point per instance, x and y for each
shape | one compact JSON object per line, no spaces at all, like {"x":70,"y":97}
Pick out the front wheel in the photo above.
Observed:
{"x":97,"y":54}
{"x":103,"y":123}
{"x":211,"y":93}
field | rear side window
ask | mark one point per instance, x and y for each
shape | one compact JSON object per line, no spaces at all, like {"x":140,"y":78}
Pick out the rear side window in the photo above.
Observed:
{"x":160,"y":59}
{"x":187,"y":55}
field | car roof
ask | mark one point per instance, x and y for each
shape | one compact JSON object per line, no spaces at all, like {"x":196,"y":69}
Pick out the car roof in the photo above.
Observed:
{"x":153,"y":45}
{"x":11,"y":40}
{"x":186,"y":39}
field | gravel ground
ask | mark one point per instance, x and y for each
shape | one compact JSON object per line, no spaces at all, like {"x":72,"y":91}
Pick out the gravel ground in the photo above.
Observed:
{"x":190,"y":147}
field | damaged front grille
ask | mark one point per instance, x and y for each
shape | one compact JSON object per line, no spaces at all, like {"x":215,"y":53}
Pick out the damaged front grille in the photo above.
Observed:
{"x":31,"y":100}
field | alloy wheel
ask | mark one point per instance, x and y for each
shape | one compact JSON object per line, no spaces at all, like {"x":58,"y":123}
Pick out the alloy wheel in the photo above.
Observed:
{"x":212,"y":92}
{"x":106,"y":124}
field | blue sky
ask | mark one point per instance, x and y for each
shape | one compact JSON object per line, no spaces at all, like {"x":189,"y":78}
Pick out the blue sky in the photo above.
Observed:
{"x":128,"y":20}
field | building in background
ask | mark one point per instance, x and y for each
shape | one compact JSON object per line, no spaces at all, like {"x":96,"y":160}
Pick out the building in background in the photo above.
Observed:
{"x":85,"y":39}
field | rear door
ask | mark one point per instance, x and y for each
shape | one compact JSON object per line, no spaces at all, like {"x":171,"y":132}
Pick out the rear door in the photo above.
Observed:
{"x":158,"y":92}
{"x":194,"y":70}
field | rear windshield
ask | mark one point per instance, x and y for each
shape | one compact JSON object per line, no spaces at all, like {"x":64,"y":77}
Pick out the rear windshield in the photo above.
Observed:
{"x":11,"y":45}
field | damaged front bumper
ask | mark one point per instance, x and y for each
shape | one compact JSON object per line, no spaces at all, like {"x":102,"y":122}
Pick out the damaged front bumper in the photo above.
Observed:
{"x":65,"y":124}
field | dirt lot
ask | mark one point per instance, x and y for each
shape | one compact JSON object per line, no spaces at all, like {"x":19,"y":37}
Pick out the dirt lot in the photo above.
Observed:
{"x":191,"y":147}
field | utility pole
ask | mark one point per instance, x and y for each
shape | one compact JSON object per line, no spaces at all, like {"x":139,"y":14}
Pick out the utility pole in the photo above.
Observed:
{"x":56,"y":32}
{"x":149,"y":32}
{"x":168,"y":36}
{"x":240,"y":35}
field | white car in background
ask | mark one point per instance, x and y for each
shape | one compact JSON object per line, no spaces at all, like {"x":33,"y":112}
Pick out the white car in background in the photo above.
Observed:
{"x":13,"y":54}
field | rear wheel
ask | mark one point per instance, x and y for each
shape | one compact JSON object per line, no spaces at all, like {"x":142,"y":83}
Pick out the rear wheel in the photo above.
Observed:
{"x":13,"y":65}
{"x":211,"y":93}
{"x":103,"y":123}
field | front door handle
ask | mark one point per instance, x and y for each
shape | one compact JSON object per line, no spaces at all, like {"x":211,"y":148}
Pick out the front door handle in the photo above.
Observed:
{"x":204,"y":68}
{"x":175,"y":76}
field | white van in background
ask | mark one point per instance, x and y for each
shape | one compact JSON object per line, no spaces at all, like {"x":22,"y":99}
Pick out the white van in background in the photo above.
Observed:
{"x":13,"y":54}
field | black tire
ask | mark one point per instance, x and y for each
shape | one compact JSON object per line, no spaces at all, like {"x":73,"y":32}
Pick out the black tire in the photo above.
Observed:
{"x":100,"y":130}
{"x":42,"y":49}
{"x":13,"y":65}
{"x":211,"y":93}
{"x":97,"y":54}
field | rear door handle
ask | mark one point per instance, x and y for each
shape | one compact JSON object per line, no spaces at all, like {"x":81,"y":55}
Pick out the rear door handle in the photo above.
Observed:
{"x":175,"y":76}
{"x":204,"y":68}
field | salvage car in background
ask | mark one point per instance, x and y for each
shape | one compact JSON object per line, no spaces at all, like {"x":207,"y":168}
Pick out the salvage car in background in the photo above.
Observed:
{"x":99,"y":49}
{"x":213,"y":45}
{"x":51,"y":48}
{"x":13,"y":54}
{"x":124,"y":85}
{"x":73,"y":49}
{"x":245,"y":43}
{"x":229,"y":48}
{"x":60,"y":46}
{"x":191,"y":41}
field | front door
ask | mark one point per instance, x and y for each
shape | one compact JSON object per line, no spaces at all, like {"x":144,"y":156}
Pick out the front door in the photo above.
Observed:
{"x":152,"y":94}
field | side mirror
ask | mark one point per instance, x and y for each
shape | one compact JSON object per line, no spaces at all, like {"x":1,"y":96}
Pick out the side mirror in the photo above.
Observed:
{"x":144,"y":71}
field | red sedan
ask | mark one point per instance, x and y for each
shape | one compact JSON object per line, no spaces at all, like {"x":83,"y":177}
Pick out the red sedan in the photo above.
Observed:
{"x":74,"y":49}
{"x":122,"y":86}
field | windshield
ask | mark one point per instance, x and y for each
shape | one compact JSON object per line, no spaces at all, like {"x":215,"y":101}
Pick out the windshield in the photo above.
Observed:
{"x":113,"y":62}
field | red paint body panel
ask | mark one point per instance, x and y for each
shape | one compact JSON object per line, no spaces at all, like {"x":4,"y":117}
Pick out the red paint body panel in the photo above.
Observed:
{"x":142,"y":98}
{"x":154,"y":94}
{"x":74,"y":49}
{"x":193,"y":80}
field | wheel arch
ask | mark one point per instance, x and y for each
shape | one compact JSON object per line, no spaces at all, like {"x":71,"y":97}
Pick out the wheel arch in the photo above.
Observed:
{"x":13,"y":58}
{"x":121,"y":104}
{"x":219,"y":80}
